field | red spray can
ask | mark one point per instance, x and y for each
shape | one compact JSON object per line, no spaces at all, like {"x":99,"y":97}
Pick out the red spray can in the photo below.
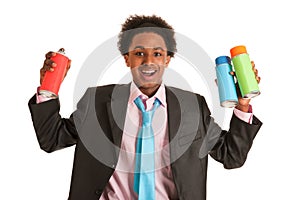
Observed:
{"x":53,"y":79}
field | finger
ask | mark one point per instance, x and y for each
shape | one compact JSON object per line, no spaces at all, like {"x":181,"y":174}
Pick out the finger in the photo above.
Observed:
{"x":46,"y":68}
{"x":258,"y":79}
{"x":49,"y":63}
{"x":255,"y":71}
{"x":69,"y":64}
{"x":253,"y":64}
{"x":50,"y":54}
{"x":232,"y":73}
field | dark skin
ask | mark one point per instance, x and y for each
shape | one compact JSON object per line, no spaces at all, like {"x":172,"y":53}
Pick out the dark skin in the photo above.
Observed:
{"x":147,"y":59}
{"x":243,"y":104}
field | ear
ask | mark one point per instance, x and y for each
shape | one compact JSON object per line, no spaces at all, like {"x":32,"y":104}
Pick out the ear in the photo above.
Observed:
{"x":168,"y":59}
{"x":126,"y":58}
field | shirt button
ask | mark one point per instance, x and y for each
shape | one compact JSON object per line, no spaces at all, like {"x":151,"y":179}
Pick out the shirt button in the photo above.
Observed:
{"x":113,"y":165}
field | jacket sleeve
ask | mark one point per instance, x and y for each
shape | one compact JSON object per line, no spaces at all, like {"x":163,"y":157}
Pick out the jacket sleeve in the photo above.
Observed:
{"x":53,"y":132}
{"x":230,"y":147}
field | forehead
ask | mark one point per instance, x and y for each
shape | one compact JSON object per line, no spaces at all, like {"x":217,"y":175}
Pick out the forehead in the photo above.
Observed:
{"x":147,"y":40}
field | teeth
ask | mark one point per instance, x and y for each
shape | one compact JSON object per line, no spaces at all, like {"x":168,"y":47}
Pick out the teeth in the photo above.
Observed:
{"x":148,"y":72}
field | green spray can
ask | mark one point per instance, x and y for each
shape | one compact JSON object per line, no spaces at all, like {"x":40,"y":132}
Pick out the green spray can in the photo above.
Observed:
{"x":243,"y":69}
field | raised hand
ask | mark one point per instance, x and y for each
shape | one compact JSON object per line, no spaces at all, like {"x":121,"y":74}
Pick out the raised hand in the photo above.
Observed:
{"x":49,"y":65}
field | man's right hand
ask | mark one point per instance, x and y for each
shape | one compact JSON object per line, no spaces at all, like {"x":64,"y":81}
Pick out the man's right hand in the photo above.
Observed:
{"x":49,"y":65}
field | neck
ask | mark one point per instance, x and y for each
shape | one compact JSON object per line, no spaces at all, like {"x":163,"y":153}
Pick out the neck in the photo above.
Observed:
{"x":149,"y":91}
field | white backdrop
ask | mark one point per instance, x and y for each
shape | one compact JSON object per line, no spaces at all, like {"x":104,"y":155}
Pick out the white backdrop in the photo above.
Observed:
{"x":269,"y":29}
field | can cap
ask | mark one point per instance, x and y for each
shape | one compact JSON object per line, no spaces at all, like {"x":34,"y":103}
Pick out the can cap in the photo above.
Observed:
{"x":222,"y":59}
{"x":238,"y":50}
{"x":61,"y":51}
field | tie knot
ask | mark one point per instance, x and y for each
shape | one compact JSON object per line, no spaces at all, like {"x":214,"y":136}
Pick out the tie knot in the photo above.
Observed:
{"x":146,"y":115}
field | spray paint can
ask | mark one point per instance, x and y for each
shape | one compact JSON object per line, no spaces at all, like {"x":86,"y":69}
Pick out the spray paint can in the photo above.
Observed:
{"x":243,"y":69}
{"x":226,"y":85}
{"x":53,"y":79}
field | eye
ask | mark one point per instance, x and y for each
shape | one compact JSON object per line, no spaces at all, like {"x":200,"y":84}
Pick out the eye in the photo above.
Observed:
{"x":157,"y":54}
{"x":139,"y":53}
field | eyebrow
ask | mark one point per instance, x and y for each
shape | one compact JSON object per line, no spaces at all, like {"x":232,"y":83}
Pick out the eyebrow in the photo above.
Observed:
{"x":155,"y":48}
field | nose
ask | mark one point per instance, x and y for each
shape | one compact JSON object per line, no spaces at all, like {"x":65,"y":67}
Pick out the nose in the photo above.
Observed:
{"x":148,"y":60}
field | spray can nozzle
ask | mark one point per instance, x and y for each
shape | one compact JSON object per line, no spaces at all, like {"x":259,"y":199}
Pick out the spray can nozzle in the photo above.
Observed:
{"x":61,"y":50}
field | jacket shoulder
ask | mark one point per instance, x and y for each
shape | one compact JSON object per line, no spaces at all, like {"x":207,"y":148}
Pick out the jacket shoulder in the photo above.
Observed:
{"x":184,"y":93}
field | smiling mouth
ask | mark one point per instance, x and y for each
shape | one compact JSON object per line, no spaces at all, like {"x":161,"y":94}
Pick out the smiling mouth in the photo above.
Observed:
{"x":148,"y":72}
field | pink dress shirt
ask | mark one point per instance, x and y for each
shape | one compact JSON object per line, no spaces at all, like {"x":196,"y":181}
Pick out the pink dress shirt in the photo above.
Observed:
{"x":120,"y":185}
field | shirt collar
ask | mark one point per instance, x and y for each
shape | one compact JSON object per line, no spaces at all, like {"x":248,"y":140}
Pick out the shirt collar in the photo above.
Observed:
{"x":160,"y":94}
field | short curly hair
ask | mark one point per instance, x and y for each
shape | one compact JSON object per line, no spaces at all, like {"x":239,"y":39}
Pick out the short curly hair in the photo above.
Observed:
{"x":136,"y":24}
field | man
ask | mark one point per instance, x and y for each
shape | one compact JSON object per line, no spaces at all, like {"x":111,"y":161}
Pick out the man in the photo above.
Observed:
{"x":107,"y":122}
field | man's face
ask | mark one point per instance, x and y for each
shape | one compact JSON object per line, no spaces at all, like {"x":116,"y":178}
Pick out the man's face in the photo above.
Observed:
{"x":147,"y":58}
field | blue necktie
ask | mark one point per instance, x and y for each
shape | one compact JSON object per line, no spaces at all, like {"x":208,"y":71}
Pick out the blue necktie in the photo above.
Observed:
{"x":144,"y":177}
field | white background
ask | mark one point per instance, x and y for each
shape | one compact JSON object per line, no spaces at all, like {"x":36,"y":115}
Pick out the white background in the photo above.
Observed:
{"x":269,"y":29}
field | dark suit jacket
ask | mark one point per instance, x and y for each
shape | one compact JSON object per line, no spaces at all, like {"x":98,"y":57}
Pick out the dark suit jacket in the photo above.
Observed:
{"x":96,"y":129}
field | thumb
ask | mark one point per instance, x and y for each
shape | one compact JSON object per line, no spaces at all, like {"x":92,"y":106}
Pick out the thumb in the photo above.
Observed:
{"x":69,"y":64}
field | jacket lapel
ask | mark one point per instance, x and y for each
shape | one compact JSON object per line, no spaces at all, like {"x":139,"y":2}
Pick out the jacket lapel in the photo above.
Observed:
{"x":116,"y":109}
{"x":174,"y":113}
